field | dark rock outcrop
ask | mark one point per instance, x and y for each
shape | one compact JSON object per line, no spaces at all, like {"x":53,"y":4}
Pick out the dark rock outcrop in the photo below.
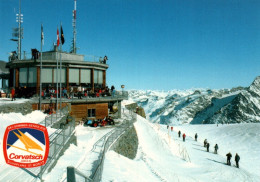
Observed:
{"x":24,"y":108}
{"x":127,"y":144}
{"x":244,"y":108}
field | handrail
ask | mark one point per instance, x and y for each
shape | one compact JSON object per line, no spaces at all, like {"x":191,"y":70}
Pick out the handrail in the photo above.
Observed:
{"x":109,"y":138}
{"x":51,"y":55}
{"x":58,"y":141}
{"x":71,"y":171}
{"x":57,"y":135}
{"x":64,"y":111}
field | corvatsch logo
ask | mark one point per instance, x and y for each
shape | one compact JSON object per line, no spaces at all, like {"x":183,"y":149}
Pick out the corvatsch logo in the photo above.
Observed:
{"x":26,"y":145}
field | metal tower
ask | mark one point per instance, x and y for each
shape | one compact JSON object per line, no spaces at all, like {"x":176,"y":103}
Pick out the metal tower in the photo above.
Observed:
{"x":19,"y":19}
{"x":74,"y":48}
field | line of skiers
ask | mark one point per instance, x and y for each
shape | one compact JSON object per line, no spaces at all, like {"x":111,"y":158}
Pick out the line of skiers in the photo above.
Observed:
{"x":171,"y":127}
{"x":183,"y":135}
{"x":229,"y":155}
{"x":237,"y":158}
{"x":206,"y":144}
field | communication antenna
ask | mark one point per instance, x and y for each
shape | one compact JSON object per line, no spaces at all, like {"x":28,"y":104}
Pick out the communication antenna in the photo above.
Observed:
{"x":18,"y":32}
{"x":19,"y":19}
{"x":74,"y":48}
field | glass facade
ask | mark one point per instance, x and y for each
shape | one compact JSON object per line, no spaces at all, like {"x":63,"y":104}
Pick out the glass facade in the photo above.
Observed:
{"x":23,"y":77}
{"x":47,"y":75}
{"x":74,"y":76}
{"x":63,"y":75}
{"x":32,"y":77}
{"x":27,"y":77}
{"x":98,"y":78}
{"x":85,"y":76}
{"x":77,"y":76}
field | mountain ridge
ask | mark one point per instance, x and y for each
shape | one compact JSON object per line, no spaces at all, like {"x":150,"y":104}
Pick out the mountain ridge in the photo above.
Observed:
{"x":201,"y":106}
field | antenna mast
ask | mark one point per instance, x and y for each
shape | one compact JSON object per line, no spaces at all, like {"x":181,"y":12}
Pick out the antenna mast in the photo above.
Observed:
{"x":74,"y":28}
{"x":19,"y":19}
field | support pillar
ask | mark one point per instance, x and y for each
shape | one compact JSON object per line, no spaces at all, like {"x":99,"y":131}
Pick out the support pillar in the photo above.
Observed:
{"x":67,"y":77}
{"x":17,"y":77}
{"x":104,"y":79}
{"x":79,"y":76}
{"x":92,"y":79}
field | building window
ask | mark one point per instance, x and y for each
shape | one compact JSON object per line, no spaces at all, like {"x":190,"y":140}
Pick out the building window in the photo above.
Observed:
{"x":32,"y":75}
{"x":74,"y":76}
{"x":23,"y":77}
{"x":5,"y":83}
{"x":47,"y":75}
{"x":61,"y":74}
{"x":91,"y":112}
{"x":98,"y":78}
{"x":85,"y":75}
{"x":27,"y":77}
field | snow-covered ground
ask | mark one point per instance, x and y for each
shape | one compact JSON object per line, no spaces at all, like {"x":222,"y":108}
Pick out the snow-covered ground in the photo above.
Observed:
{"x":4,"y":101}
{"x":243,"y":139}
{"x":161,"y":153}
{"x":80,"y":155}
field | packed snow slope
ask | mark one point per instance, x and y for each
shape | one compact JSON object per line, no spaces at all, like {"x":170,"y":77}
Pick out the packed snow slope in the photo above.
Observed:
{"x":201,"y":106}
{"x":163,"y":156}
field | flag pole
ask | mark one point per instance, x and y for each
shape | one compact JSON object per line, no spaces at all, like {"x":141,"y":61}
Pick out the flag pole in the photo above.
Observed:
{"x":60,"y":72}
{"x":41,"y":71}
{"x":57,"y":86}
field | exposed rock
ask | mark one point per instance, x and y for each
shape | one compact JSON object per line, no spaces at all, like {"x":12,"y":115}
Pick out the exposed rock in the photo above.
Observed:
{"x":244,"y":108}
{"x":127,"y":144}
{"x":24,"y":108}
{"x":137,"y":109}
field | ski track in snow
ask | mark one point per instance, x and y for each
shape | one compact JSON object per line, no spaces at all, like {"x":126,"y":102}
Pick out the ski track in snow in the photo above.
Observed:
{"x":161,"y":157}
{"x":158,"y":157}
{"x":151,"y":168}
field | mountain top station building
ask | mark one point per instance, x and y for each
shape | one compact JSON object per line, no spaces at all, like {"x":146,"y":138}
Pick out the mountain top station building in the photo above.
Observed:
{"x":75,"y":71}
{"x":55,"y":69}
{"x":24,"y":76}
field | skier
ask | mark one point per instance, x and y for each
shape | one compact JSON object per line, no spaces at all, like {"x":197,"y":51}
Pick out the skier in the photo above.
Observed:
{"x":216,"y":149}
{"x":167,"y":127}
{"x":171,"y":128}
{"x":205,"y":142}
{"x":183,"y":136}
{"x":207,"y":147}
{"x":196,"y":136}
{"x":229,"y":155}
{"x":237,"y":158}
{"x":179,"y":133}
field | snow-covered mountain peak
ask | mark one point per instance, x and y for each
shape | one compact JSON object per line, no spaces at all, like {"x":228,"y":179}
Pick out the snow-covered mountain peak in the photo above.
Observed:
{"x":255,"y":86}
{"x":201,"y":106}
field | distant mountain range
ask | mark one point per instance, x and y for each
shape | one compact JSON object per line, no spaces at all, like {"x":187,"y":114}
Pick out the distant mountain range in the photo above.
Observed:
{"x":201,"y":106}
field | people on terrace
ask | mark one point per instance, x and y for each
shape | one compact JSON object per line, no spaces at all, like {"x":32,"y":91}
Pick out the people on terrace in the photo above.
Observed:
{"x":105,"y":59}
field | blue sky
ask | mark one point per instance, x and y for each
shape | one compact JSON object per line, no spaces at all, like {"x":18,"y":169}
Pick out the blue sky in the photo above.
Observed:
{"x":150,"y":44}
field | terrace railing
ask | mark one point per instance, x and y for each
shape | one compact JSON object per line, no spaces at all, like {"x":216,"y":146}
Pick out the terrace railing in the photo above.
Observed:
{"x":53,"y":56}
{"x":58,"y":141}
{"x":51,"y":119}
{"x":122,"y":94}
{"x":92,"y":58}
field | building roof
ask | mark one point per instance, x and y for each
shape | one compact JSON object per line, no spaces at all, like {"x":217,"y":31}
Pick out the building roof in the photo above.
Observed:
{"x":50,"y":59}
